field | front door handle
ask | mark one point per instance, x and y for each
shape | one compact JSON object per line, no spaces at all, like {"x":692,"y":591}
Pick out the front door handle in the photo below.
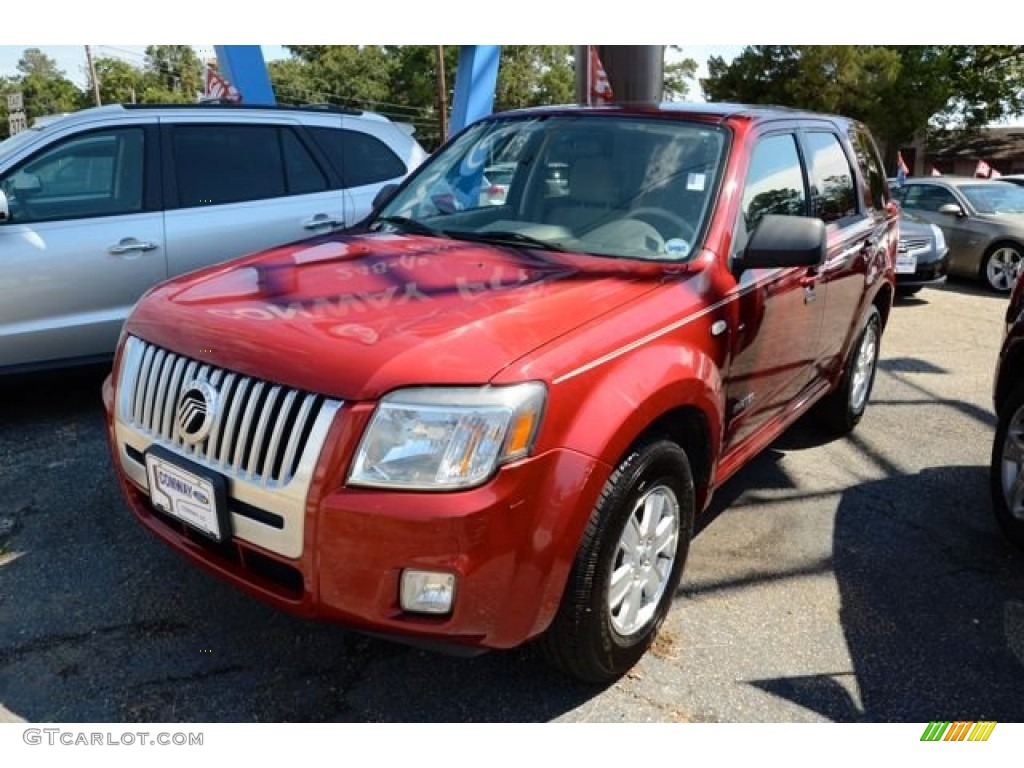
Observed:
{"x":131,"y":245}
{"x":323,"y":220}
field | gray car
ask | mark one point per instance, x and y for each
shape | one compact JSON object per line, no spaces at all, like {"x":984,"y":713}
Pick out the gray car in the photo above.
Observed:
{"x":982,"y":220}
{"x":98,"y":206}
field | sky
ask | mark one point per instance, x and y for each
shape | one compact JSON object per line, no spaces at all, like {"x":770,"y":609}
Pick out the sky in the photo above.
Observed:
{"x":71,"y":58}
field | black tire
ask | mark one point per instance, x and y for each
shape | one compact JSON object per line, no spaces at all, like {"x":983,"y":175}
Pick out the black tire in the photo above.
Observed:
{"x":1011,"y":417}
{"x":1001,"y":265}
{"x":583,"y":640}
{"x":841,"y":411}
{"x":909,"y":290}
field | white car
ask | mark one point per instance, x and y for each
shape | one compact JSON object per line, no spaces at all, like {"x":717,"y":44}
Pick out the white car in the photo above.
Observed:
{"x":98,"y":206}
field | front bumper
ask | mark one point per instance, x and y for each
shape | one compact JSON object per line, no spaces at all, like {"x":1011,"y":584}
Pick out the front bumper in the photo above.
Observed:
{"x":510,"y":543}
{"x":931,"y":270}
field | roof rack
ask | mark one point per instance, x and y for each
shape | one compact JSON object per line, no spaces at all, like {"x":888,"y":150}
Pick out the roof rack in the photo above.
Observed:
{"x":230,"y":105}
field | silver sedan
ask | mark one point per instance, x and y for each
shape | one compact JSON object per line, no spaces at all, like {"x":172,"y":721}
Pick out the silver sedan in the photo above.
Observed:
{"x":982,"y":220}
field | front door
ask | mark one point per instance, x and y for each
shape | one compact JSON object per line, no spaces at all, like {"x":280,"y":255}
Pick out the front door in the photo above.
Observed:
{"x":779,"y":311}
{"x":79,"y":248}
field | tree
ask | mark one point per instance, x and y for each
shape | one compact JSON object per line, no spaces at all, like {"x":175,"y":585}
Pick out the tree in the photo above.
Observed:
{"x":533,"y":75}
{"x":45,"y":89}
{"x":899,"y":91}
{"x":174,"y":74}
{"x":677,"y":75}
{"x":120,"y":82}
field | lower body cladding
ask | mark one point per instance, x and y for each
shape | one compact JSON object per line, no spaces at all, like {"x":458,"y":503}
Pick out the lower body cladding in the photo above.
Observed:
{"x":508,"y":545}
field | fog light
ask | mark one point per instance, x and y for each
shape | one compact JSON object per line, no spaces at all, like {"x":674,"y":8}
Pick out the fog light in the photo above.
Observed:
{"x":427,"y":591}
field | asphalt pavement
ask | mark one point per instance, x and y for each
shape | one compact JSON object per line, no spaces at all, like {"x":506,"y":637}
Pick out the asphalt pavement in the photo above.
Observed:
{"x":860,"y":579}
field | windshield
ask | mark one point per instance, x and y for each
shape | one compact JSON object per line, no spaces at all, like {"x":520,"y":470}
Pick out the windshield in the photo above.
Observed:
{"x":995,"y":197}
{"x":629,"y":187}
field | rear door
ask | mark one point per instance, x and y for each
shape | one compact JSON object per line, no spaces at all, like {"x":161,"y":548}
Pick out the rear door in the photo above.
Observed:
{"x":84,"y":240}
{"x":363,"y":153}
{"x":236,"y":187}
{"x":856,"y":230}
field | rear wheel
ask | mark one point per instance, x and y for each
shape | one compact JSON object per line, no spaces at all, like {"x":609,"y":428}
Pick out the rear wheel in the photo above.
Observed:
{"x":628,"y":565}
{"x":1001,"y":266}
{"x":1007,"y":469}
{"x":842,"y":410}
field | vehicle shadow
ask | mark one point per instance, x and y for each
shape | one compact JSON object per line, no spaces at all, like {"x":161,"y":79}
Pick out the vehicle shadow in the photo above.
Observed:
{"x":968,"y":287}
{"x":932,"y":605}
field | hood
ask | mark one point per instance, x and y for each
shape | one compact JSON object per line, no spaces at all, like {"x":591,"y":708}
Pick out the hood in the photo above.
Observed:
{"x":356,"y":316}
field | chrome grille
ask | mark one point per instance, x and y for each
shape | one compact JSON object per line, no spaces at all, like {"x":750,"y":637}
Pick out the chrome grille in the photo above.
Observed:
{"x":259,"y":432}
{"x":913,"y":244}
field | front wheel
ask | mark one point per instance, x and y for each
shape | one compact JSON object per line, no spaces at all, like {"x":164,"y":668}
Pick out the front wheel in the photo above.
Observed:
{"x":628,"y":566}
{"x":1007,"y":468}
{"x":1001,"y":267}
{"x":842,"y":410}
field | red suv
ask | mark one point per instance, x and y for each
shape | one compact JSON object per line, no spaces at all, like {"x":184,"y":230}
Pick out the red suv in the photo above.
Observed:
{"x":473,"y":424}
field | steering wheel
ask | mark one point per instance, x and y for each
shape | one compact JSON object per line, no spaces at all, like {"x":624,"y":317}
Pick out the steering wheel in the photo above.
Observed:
{"x":680,"y":227}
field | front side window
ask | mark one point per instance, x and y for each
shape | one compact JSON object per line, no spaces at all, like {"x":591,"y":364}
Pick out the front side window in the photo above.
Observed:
{"x":94,"y":174}
{"x":831,"y":177}
{"x":925,"y":197}
{"x":775,"y":181}
{"x":608,"y":185}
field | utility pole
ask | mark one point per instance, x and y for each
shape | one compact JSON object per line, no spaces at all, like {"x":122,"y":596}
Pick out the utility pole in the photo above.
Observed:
{"x":442,"y":96}
{"x":92,"y":76}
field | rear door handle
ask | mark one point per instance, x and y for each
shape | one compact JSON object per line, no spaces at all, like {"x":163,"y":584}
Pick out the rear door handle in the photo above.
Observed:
{"x":131,"y":245}
{"x":323,"y":220}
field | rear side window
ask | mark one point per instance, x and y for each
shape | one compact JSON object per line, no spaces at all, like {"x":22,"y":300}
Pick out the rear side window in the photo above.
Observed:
{"x":831,"y":177}
{"x":775,"y":181}
{"x":304,"y":175}
{"x":358,"y":158}
{"x":871,"y":168}
{"x":218,"y":164}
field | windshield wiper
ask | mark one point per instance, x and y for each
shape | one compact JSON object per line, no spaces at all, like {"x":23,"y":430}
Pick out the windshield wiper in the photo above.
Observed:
{"x":500,"y":237}
{"x":405,"y":224}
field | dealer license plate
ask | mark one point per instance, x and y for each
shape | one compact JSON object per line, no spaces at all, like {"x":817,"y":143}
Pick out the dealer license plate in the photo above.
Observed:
{"x":184,"y":490}
{"x":906,"y":263}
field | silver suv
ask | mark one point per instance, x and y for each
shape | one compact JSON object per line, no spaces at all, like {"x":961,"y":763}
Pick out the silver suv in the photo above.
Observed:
{"x":98,"y":206}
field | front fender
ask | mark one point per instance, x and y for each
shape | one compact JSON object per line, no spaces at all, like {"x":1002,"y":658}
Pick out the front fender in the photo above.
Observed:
{"x":607,"y":407}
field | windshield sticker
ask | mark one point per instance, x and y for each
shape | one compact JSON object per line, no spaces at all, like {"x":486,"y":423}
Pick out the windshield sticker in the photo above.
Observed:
{"x":695,"y":182}
{"x":677,"y":247}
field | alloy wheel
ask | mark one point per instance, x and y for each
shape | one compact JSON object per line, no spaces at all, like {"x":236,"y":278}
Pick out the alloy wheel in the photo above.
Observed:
{"x":643,"y":560}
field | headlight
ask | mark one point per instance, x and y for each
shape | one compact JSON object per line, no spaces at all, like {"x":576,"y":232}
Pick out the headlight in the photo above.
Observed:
{"x":443,"y":438}
{"x":940,"y":240}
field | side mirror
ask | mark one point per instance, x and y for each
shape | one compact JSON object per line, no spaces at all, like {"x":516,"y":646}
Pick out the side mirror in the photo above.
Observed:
{"x":951,"y":209}
{"x":785,"y":241}
{"x":5,"y":209}
{"x":384,"y":194}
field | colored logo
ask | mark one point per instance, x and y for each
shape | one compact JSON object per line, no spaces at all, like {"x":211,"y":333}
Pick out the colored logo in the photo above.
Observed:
{"x":960,"y":730}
